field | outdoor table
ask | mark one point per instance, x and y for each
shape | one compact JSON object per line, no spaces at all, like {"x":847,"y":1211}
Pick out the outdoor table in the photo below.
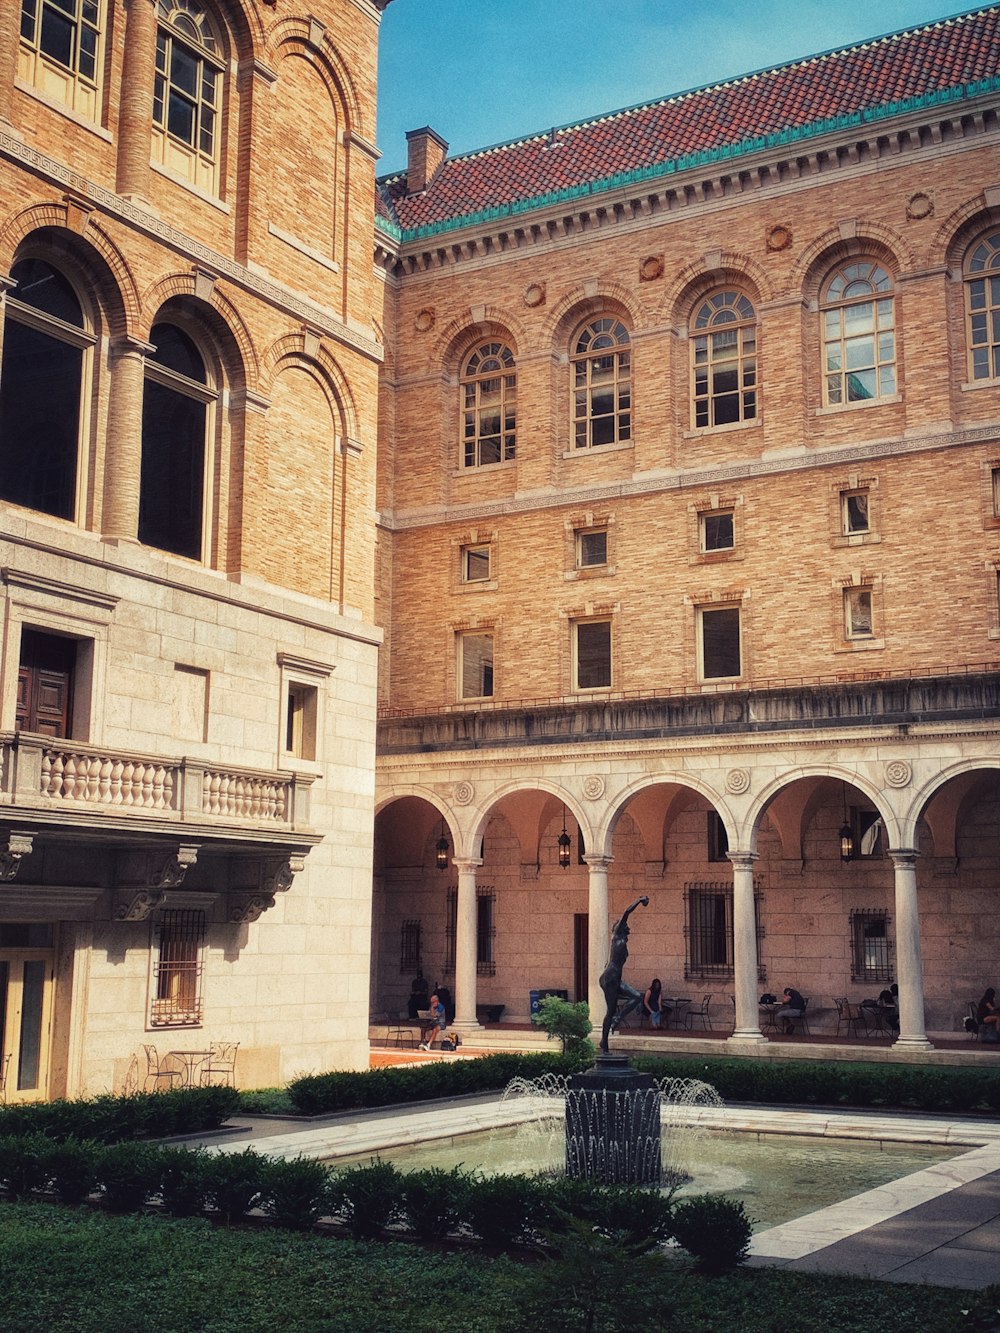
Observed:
{"x":769,"y":1011}
{"x":189,"y":1061}
{"x":676,"y":1004}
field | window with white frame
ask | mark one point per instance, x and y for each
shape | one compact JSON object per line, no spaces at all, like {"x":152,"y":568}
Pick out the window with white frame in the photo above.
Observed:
{"x":475,"y":664}
{"x":177,"y":409}
{"x":592,"y":654}
{"x":720,"y":642}
{"x":179,"y":938}
{"x":724,"y":360}
{"x":859,"y":334}
{"x":489,"y":405}
{"x":591,"y":547}
{"x":858,"y":613}
{"x":187,"y":92}
{"x":982,"y":308}
{"x":871,"y":946}
{"x":43,"y":401}
{"x":61,"y":50}
{"x":601,"y":362}
{"x":717,"y":531}
{"x":854,"y":512}
{"x":476,"y":564}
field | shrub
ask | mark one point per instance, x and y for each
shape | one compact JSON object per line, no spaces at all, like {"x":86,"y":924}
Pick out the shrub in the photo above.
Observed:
{"x":22,"y":1164}
{"x":127,"y":1173}
{"x":366,"y":1198}
{"x":296,"y":1191}
{"x":234,"y":1183}
{"x":714,"y":1230}
{"x":71,"y":1166}
{"x":501,"y":1209}
{"x":435,"y":1201}
{"x":183,"y":1180}
{"x":569,"y":1023}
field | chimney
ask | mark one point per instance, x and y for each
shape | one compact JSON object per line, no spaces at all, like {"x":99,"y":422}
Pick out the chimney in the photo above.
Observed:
{"x":425,"y":152}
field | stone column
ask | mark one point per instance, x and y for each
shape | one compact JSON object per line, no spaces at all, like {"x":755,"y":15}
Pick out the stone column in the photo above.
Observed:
{"x":598,"y":936}
{"x":123,"y":450}
{"x":136,"y":114}
{"x":465,"y":948}
{"x":745,"y":961}
{"x":912,"y":1027}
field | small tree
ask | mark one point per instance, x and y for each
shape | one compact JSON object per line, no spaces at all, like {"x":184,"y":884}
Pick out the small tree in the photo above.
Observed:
{"x":570,"y":1023}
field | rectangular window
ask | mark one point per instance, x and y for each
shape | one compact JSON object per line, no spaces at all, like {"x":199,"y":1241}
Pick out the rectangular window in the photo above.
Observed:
{"x":721,"y":653}
{"x":592,"y":548}
{"x":708,"y":926}
{"x":717,"y":531}
{"x":718,"y":839}
{"x":592,"y":643}
{"x":177,"y":970}
{"x":475,"y":666}
{"x":858,"y":613}
{"x":867,"y":833}
{"x":995,"y":478}
{"x":854,"y":512}
{"x":409,"y":949}
{"x":871,"y":947}
{"x":475,"y":564}
{"x":486,"y":899}
{"x":300,"y":720}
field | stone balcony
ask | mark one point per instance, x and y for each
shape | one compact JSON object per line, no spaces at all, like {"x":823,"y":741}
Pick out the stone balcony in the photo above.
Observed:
{"x":143,"y":825}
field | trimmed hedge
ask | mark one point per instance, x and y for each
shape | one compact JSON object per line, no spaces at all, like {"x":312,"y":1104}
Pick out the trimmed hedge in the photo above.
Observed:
{"x":109,"y":1119}
{"x":836,"y":1083}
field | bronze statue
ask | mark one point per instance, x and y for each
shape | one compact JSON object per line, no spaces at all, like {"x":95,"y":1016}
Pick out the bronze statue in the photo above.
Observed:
{"x":611,"y":978}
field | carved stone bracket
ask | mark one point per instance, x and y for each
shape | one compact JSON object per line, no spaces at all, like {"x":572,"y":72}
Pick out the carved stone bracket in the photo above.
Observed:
{"x":18,"y":846}
{"x":140,"y":906}
{"x":158,"y":873}
{"x":169,"y":874}
{"x":249,"y":909}
{"x":276,"y":875}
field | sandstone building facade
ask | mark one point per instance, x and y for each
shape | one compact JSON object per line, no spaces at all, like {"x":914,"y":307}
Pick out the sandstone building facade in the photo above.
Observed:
{"x":689,"y":505}
{"x":189,"y":646}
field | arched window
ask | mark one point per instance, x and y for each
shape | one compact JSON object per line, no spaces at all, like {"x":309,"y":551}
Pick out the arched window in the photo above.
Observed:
{"x":859,"y":334}
{"x":60,"y":50}
{"x":176,"y":409}
{"x":724,"y":360}
{"x":45,"y":345}
{"x":982,"y":303}
{"x":602,"y":384}
{"x":187,"y":92}
{"x":489,"y":402}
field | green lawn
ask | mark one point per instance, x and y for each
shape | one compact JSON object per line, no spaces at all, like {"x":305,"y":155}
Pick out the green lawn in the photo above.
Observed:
{"x":81,"y":1270}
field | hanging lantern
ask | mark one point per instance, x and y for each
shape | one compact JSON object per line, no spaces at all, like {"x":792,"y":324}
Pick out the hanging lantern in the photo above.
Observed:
{"x":564,"y":844}
{"x":846,"y":833}
{"x":441,"y":850}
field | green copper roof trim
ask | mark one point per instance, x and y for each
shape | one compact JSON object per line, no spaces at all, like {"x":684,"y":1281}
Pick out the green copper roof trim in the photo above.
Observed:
{"x":391,"y":229}
{"x":704,"y":157}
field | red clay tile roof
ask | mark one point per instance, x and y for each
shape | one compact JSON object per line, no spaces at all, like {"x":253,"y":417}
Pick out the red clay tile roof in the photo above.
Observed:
{"x":854,"y":82}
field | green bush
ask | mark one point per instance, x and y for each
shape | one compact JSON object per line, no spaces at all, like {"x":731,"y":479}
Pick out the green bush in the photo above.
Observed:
{"x":296,"y":1192}
{"x":22,"y":1164}
{"x":71,"y":1167}
{"x":501,"y":1209}
{"x":435,"y":1201}
{"x":109,"y":1119}
{"x":128,"y":1174}
{"x":235,"y":1183}
{"x":366,"y":1198}
{"x":569,"y":1024}
{"x":183,"y":1180}
{"x":714,"y":1230}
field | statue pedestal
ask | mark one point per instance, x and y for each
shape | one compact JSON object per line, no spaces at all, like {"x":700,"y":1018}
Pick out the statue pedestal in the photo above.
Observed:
{"x":613,"y":1124}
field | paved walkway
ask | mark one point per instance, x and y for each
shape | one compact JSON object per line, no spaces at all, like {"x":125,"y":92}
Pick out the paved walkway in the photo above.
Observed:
{"x":940,"y":1225}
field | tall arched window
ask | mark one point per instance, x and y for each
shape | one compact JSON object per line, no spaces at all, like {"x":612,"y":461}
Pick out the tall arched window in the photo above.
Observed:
{"x":187,"y":92}
{"x":45,"y":345}
{"x":724,"y":360}
{"x":60,"y":50}
{"x":176,"y":409}
{"x":982,"y":304}
{"x":489,"y":403}
{"x":602,"y":384}
{"x":859,"y":334}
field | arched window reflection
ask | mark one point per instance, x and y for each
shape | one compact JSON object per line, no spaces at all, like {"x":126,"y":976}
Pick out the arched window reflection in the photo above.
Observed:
{"x":724,"y":352}
{"x":859,"y":334}
{"x":602,"y":384}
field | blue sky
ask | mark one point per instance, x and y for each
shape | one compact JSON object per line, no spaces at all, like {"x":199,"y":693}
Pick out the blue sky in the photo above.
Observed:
{"x":481,"y":72}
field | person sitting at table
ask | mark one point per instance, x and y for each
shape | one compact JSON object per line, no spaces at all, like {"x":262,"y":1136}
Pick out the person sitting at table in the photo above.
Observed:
{"x":792,"y":1008}
{"x":652,"y":1006}
{"x":988,"y":1016}
{"x":436,"y":1024}
{"x":889,"y":1002}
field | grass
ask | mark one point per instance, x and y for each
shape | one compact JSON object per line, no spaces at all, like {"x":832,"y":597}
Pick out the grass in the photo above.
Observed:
{"x":81,"y":1270}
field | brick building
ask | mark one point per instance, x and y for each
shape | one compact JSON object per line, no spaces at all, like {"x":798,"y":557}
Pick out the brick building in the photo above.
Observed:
{"x":187,"y":431}
{"x":689,"y":505}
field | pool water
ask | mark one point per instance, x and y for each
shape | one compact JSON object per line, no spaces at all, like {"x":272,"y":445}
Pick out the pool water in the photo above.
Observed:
{"x":778,"y":1177}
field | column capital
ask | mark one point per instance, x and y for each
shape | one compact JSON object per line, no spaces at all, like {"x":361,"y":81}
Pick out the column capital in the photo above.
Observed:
{"x":466,"y":865}
{"x":597,"y":862}
{"x":904,"y":856}
{"x":127,"y":345}
{"x":742,"y":860}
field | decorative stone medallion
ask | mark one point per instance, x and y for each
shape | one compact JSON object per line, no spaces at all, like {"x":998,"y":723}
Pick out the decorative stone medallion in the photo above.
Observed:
{"x":593,"y":787}
{"x":463,"y":793}
{"x":534,"y":294}
{"x":898,"y":773}
{"x":424,"y":321}
{"x":738,"y":781}
{"x":651,"y":268}
{"x":779,"y":238}
{"x":919,"y":205}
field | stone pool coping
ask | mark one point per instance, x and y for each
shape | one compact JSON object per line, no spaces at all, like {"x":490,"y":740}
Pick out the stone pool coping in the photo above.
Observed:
{"x":958,"y":1243}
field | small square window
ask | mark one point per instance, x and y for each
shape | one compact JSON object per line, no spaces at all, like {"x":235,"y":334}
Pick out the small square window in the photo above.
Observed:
{"x":858,"y":613}
{"x":475,"y":666}
{"x":721,"y":654}
{"x":717,"y":531}
{"x":475,"y":564}
{"x":592,"y":644}
{"x":300,"y":720}
{"x":854,"y":512}
{"x":592,"y":548}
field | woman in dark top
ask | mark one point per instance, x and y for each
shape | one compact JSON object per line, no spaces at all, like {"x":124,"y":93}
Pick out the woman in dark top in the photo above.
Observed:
{"x":987,"y":1014}
{"x":651,"y":1002}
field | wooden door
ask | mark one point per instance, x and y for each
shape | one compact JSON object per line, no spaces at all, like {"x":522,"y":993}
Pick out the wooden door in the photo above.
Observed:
{"x":45,"y":683}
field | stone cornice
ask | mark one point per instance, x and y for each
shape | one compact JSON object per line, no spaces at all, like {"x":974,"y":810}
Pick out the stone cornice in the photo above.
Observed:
{"x":689,"y":479}
{"x":133,"y":215}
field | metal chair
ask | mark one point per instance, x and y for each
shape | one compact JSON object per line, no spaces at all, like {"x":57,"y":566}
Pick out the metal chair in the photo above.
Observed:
{"x":701,"y":1012}
{"x":157,"y":1072}
{"x":971,"y":1022}
{"x":854,"y":1016}
{"x":840,"y":1003}
{"x":398,"y":1030}
{"x":220,"y":1067}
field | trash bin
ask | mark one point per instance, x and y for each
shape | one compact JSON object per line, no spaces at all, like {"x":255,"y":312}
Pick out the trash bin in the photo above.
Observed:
{"x":534,"y":1000}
